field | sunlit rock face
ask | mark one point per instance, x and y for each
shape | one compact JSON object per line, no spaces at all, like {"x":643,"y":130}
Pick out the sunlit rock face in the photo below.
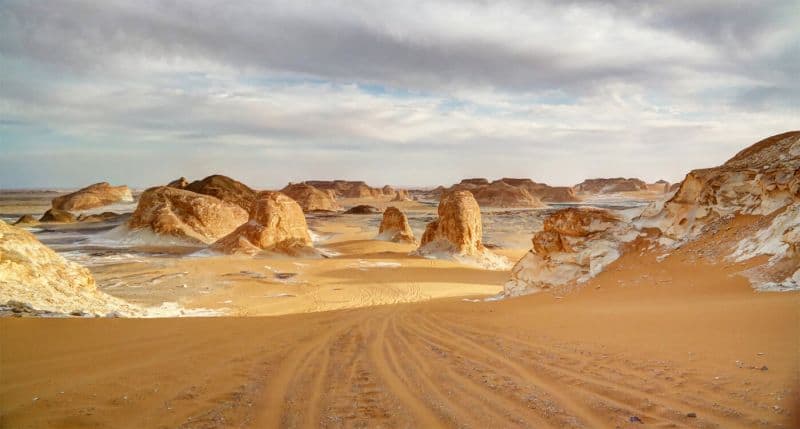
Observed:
{"x":575,"y":244}
{"x":180,"y":183}
{"x":226,"y":189}
{"x":186,"y":215}
{"x":92,"y":196}
{"x":32,"y":273}
{"x":611,"y":185}
{"x":310,"y":198}
{"x":58,"y":216}
{"x":501,"y":194}
{"x":544,"y":192}
{"x":347,"y":188}
{"x":394,"y":227}
{"x":276,"y":224}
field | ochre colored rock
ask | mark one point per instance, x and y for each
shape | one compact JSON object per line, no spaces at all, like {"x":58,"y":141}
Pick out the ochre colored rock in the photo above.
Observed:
{"x":501,"y":194}
{"x":610,"y":186}
{"x":276,"y":224}
{"x":362,"y":209}
{"x":100,"y":217}
{"x":55,"y":215}
{"x":310,"y":198}
{"x":185,"y":214}
{"x":458,"y":229}
{"x":180,"y":183}
{"x":25,"y":220}
{"x":226,"y":189}
{"x":394,"y":227}
{"x":92,"y":196}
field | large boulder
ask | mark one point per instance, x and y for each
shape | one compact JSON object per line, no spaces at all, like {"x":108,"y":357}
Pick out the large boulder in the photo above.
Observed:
{"x":310,"y":198}
{"x":394,"y":227}
{"x":611,"y":185}
{"x":575,"y":244}
{"x":59,"y":216}
{"x":32,"y":273}
{"x":92,"y":196}
{"x":226,"y":189}
{"x":187,"y":215}
{"x":276,"y":224}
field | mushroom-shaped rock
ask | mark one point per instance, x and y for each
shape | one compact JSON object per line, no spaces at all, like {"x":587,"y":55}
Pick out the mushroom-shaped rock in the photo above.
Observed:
{"x":575,"y":244}
{"x":32,"y":273}
{"x":362,"y":209}
{"x":56,"y":215}
{"x":92,"y":196}
{"x":276,"y":224}
{"x":310,"y":198}
{"x":226,"y":189}
{"x":394,"y":227}
{"x":186,"y":215}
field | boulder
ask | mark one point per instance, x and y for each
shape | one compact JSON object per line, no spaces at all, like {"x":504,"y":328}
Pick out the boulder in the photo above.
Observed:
{"x":186,"y":215}
{"x":394,"y":227}
{"x":180,"y":183}
{"x":92,"y":196}
{"x":55,"y":215}
{"x":33,"y":274}
{"x":226,"y":189}
{"x":100,"y":217}
{"x":610,"y":186}
{"x":276,"y":224}
{"x":25,"y":220}
{"x":362,"y":209}
{"x":574,"y":245}
{"x":310,"y":198}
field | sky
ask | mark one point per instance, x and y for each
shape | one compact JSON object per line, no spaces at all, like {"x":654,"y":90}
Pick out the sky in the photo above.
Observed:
{"x":408,"y":93}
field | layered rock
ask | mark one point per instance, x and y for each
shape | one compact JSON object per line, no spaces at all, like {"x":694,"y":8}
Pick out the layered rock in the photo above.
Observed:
{"x":186,"y":215}
{"x":32,"y":273}
{"x":501,"y":194}
{"x":611,"y":185}
{"x":59,"y":216}
{"x":310,"y":198}
{"x":394,"y":227}
{"x":574,"y":245}
{"x":226,"y":189}
{"x":276,"y":224}
{"x":362,"y":209}
{"x":92,"y":196}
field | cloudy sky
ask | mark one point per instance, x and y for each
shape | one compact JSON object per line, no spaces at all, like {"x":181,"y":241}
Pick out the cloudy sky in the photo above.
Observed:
{"x":405,"y":93}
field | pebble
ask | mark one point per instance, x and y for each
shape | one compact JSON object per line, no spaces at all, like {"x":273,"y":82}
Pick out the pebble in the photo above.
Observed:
{"x":691,"y":415}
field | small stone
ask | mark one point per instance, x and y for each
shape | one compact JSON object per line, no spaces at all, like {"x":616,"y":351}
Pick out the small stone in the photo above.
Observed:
{"x":635,"y":419}
{"x":691,"y":415}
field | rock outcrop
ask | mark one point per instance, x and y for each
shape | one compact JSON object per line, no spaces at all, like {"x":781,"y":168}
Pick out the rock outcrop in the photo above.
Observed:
{"x":310,"y":198}
{"x":226,"y":189}
{"x":99,"y":217}
{"x":180,"y":183}
{"x":501,"y":194}
{"x":349,"y":188}
{"x":544,"y":192}
{"x":32,"y":273}
{"x":394,"y":227}
{"x":362,"y":209}
{"x":25,"y":220}
{"x":574,"y":245}
{"x":92,"y":196}
{"x":186,"y":215}
{"x":59,"y":216}
{"x":276,"y":224}
{"x":610,"y":186}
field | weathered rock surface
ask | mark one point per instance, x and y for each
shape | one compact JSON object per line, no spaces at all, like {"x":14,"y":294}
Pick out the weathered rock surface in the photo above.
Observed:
{"x":187,"y":215}
{"x":544,"y":192}
{"x":362,"y":209}
{"x":276,"y":224}
{"x":501,"y":194}
{"x":33,"y":274}
{"x":56,"y":215}
{"x":92,"y":196}
{"x":611,"y":185}
{"x":226,"y":189}
{"x":575,"y":244}
{"x":394,"y":227}
{"x":310,"y":198}
{"x":180,"y":183}
{"x":99,"y":217}
{"x":26,"y":220}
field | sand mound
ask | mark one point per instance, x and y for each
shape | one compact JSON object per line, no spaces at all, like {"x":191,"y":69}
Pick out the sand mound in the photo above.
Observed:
{"x":575,"y":244}
{"x":92,"y":196}
{"x":184,"y":214}
{"x":394,"y":227}
{"x":276,"y":224}
{"x":226,"y":189}
{"x":610,"y":186}
{"x":56,"y":215}
{"x":32,"y":273}
{"x":310,"y":198}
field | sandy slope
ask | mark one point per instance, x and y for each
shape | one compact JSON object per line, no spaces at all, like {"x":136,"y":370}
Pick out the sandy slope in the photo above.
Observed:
{"x":646,"y":339}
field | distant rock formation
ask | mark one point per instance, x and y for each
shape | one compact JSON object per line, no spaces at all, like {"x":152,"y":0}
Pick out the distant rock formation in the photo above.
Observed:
{"x":575,"y":244}
{"x":394,"y":227}
{"x":56,"y":215}
{"x":32,"y":273}
{"x":480,"y":181}
{"x":362,"y":209}
{"x":401,"y":195}
{"x":187,"y":215}
{"x":100,"y":217}
{"x":501,"y":194}
{"x":310,"y":198}
{"x":180,"y":183}
{"x":92,"y":196}
{"x":355,"y":189}
{"x":610,"y":186}
{"x":26,"y":220}
{"x":544,"y":192}
{"x":226,"y":189}
{"x":276,"y":224}
{"x":458,"y":231}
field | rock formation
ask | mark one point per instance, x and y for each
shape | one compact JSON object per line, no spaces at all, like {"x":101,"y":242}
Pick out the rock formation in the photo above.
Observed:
{"x":575,"y":244}
{"x":25,"y":220}
{"x":394,"y":227}
{"x":97,"y":195}
{"x":362,"y":209}
{"x":180,"y":183}
{"x":226,"y":189}
{"x":56,"y":215}
{"x":32,"y":273}
{"x":544,"y":192}
{"x":401,"y":195}
{"x":310,"y":198}
{"x":276,"y":224}
{"x":100,"y":217}
{"x":186,"y":215}
{"x":501,"y":194}
{"x":610,"y":186}
{"x":458,"y":231}
{"x":347,"y":188}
